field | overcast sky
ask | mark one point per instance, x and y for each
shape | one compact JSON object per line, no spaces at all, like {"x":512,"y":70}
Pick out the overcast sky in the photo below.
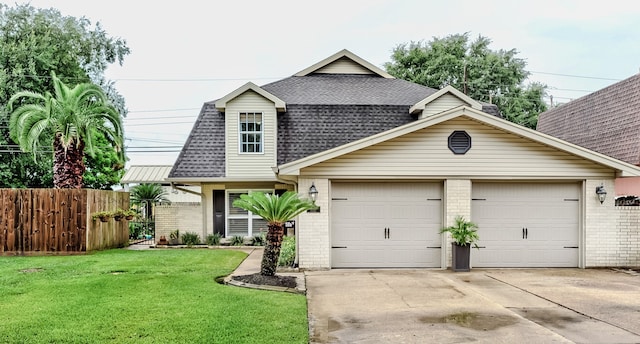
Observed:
{"x":184,"y":53}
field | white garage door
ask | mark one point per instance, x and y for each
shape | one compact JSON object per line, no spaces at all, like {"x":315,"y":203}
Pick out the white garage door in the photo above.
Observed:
{"x":526,"y":224}
{"x":378,"y":225}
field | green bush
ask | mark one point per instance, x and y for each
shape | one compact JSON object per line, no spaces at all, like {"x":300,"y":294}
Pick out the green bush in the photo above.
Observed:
{"x":259,"y":239}
{"x":287,"y":251}
{"x":190,"y":238}
{"x":237,"y":240}
{"x":213,"y":239}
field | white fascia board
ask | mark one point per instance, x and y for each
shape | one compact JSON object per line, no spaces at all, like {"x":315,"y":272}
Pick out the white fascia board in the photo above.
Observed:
{"x":419,"y":106}
{"x":221,"y":103}
{"x":340,"y":54}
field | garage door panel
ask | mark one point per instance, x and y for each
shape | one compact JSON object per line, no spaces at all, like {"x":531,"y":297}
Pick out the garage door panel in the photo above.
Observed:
{"x":402,"y":221}
{"x":526,"y":224}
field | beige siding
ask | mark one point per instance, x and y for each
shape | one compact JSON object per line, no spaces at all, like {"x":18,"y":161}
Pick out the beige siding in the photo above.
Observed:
{"x":254,"y":164}
{"x":343,"y":66}
{"x":443,"y":103}
{"x":425,"y":153}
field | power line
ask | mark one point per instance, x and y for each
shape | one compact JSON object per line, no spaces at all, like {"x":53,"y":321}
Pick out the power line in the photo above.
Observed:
{"x":576,"y":76}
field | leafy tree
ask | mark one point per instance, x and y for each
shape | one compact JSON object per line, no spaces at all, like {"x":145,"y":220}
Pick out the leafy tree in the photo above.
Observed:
{"x":73,"y":117}
{"x":471,"y":67}
{"x":146,"y":196}
{"x":276,"y":210}
{"x":104,"y":169}
{"x":34,"y":43}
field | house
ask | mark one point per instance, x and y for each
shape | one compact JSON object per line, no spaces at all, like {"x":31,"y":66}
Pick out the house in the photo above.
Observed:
{"x":393,"y":162}
{"x":606,"y":121}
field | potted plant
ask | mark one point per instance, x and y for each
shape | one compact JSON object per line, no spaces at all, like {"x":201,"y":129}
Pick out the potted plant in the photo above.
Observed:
{"x":104,"y":216}
{"x":174,"y":237}
{"x":118,"y":214}
{"x":464,"y":234}
{"x":130,"y":214}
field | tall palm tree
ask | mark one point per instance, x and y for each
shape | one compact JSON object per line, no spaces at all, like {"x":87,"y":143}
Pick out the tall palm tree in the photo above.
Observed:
{"x":147,"y":195}
{"x":276,"y":210}
{"x":72,"y":117}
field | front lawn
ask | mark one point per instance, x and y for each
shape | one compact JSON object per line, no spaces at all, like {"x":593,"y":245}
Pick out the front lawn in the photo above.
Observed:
{"x":148,"y":296}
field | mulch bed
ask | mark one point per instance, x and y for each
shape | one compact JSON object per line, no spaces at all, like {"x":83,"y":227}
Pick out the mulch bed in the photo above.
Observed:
{"x":277,"y":280}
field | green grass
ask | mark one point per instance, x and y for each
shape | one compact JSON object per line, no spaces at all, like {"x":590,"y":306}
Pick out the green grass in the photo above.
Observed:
{"x":148,"y":296}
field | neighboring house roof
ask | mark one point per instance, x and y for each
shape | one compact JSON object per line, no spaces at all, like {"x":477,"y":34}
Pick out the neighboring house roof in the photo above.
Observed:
{"x":324,"y":107}
{"x":624,"y":169}
{"x":606,"y":121}
{"x":146,"y":174}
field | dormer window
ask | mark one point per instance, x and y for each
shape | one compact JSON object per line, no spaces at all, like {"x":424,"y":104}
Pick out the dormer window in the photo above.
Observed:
{"x":251,"y":132}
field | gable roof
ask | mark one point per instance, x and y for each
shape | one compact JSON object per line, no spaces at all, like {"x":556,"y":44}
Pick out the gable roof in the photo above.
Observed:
{"x":342,"y":55}
{"x":321,"y":111}
{"x":221,"y":103}
{"x":606,"y":121}
{"x":446,"y":90}
{"x":625,"y":169}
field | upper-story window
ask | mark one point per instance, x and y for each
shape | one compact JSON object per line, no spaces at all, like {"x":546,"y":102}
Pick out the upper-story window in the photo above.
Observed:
{"x":251,"y":132}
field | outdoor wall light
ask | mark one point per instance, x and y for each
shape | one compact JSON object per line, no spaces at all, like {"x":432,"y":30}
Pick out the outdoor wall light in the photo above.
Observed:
{"x":602,"y":193}
{"x":313,"y":194}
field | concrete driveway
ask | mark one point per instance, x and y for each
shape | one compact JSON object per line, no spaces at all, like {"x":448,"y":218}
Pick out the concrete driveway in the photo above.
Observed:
{"x":483,"y":306}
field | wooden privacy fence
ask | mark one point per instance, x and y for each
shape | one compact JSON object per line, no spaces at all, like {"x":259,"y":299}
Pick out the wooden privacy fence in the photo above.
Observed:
{"x":59,"y":221}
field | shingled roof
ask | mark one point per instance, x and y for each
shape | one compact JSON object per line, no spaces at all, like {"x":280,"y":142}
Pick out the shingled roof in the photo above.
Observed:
{"x":323,"y":111}
{"x":606,"y":121}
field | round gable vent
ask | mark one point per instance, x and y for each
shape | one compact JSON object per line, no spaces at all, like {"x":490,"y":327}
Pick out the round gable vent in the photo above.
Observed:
{"x":459,"y":142}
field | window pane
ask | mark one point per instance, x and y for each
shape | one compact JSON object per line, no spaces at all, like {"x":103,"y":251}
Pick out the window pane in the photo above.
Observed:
{"x":233,"y":210}
{"x":238,"y":227}
{"x":259,"y":226}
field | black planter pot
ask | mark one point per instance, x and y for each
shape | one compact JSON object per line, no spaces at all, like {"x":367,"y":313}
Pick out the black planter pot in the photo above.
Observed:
{"x":461,"y":257}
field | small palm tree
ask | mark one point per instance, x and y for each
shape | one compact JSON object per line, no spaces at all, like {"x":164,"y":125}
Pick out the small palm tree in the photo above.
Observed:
{"x":72,"y":118}
{"x":147,"y":195}
{"x":276,"y":210}
{"x":463,"y":232}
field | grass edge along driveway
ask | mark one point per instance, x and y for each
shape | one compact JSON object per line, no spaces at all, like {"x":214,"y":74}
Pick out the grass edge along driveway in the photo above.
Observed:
{"x":147,"y":296}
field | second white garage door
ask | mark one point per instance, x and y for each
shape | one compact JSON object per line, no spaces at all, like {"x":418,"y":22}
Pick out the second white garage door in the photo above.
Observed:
{"x":377,"y":225}
{"x":526,"y":224}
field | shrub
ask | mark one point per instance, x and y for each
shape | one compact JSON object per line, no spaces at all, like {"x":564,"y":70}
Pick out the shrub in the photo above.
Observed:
{"x":287,"y":251}
{"x":259,"y":239}
{"x":213,"y":239}
{"x":237,"y":240}
{"x":190,"y":238}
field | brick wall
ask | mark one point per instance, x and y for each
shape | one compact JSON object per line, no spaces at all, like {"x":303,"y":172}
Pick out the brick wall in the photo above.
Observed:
{"x":313,"y":229}
{"x":627,"y":252}
{"x":184,"y":216}
{"x":457,"y":201}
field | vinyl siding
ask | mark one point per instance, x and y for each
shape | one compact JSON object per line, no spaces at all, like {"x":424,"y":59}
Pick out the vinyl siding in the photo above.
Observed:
{"x":343,"y":66}
{"x":251,"y":164}
{"x":443,"y":103}
{"x":494,"y":154}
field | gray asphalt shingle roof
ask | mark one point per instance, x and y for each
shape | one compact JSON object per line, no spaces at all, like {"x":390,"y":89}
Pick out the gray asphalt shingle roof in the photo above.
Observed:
{"x":323,"y":112}
{"x":606,"y":121}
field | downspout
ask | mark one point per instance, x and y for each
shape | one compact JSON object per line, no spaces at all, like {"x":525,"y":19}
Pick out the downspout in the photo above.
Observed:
{"x":276,"y":171}
{"x":202,"y":204}
{"x":174,"y":186}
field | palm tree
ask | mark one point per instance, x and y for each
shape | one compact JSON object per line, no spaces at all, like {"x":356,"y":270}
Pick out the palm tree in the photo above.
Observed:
{"x":73,"y":117}
{"x":147,"y":195}
{"x":276,"y":210}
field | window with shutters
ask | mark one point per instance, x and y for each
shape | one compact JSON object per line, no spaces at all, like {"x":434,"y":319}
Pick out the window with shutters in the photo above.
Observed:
{"x":459,"y":142}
